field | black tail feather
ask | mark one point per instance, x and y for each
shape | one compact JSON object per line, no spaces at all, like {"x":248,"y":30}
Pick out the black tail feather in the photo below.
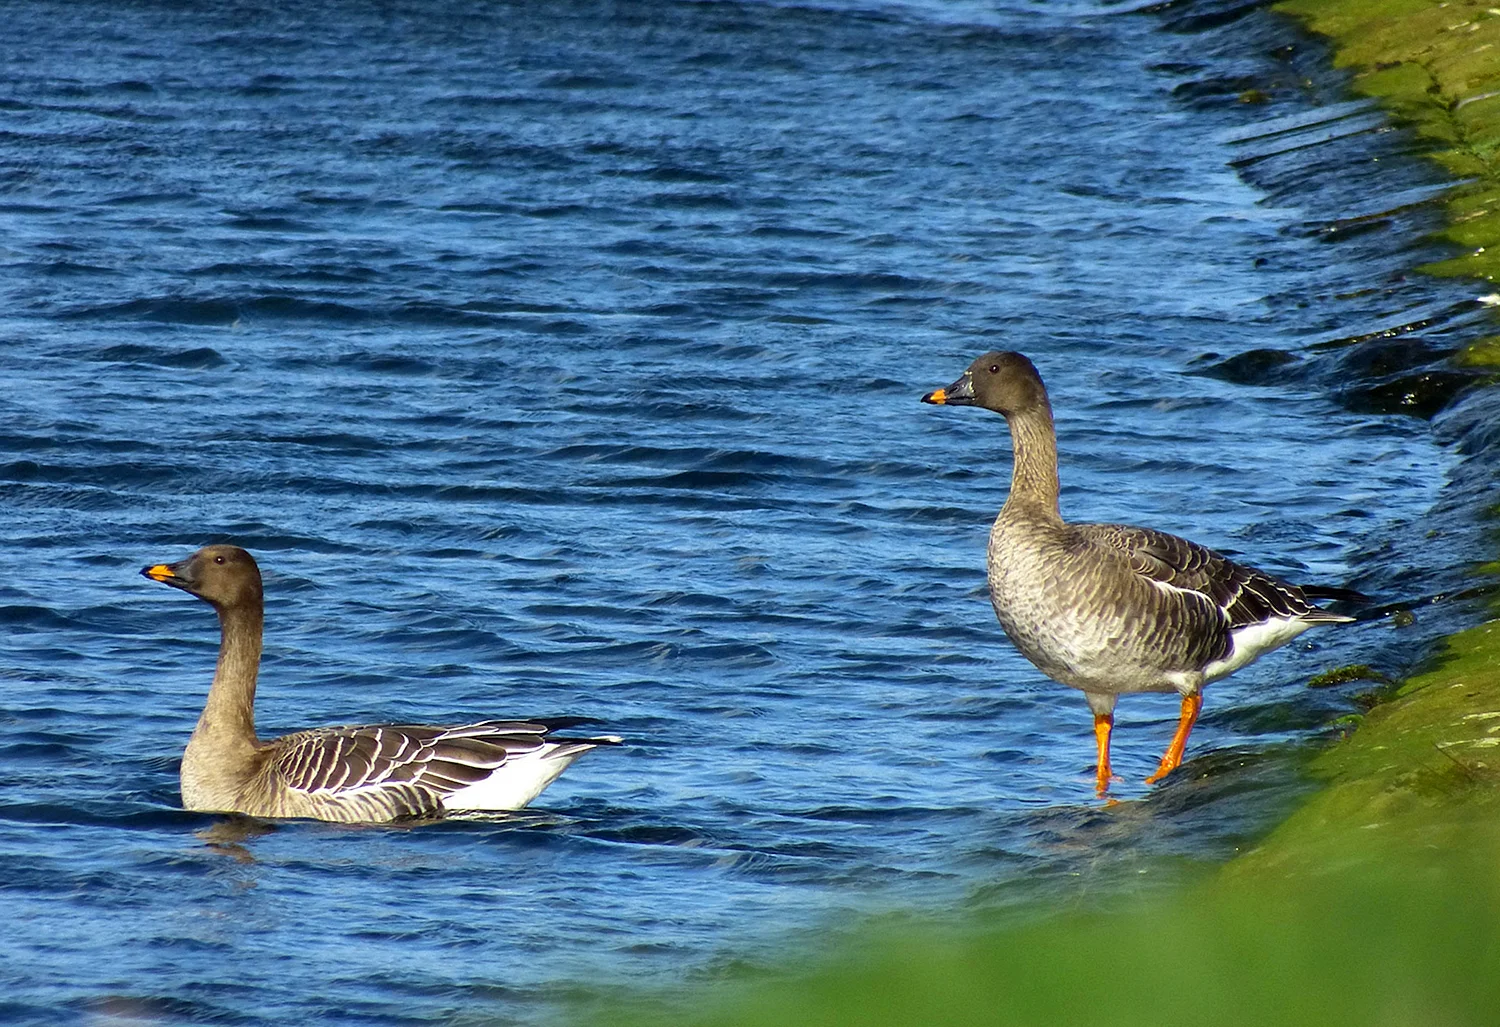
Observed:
{"x":1333,"y":594}
{"x":1401,"y":606}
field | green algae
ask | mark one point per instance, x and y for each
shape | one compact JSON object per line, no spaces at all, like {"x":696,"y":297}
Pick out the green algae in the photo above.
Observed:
{"x":1419,"y":773}
{"x":1436,"y":67}
{"x":1344,"y":675}
{"x":1483,"y":353}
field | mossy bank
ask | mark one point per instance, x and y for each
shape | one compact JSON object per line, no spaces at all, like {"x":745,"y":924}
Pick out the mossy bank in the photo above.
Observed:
{"x":1421,"y":773}
{"x":1436,"y":67}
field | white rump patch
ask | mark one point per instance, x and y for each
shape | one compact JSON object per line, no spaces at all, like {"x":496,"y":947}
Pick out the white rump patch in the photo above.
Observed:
{"x":1254,"y":640}
{"x":519,"y":779}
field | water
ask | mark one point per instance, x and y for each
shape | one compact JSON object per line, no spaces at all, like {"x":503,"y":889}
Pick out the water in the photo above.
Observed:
{"x":564,"y":359}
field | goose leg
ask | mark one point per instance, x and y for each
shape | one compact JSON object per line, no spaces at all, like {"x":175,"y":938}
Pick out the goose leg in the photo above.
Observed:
{"x":1192,"y":705}
{"x":1103,"y":706}
{"x":1104,"y":723}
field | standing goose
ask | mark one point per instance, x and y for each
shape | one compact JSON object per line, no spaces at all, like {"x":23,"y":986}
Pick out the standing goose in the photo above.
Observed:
{"x":352,"y":774}
{"x":1112,"y":609}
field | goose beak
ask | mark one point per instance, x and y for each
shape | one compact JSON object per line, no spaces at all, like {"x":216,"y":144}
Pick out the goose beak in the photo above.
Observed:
{"x":959,"y":394}
{"x":167,"y":574}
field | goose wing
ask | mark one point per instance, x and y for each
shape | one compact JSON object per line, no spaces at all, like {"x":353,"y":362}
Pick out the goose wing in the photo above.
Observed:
{"x":1243,"y":595}
{"x":398,"y":770}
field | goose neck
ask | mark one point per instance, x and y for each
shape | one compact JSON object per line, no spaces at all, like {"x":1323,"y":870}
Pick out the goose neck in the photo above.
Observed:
{"x":1033,"y":481}
{"x":229,"y":714}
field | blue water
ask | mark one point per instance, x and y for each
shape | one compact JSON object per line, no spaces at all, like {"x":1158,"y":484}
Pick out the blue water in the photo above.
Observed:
{"x":563,"y":359}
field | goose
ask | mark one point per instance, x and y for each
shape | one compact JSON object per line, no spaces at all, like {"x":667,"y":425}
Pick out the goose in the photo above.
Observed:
{"x":356,"y":774}
{"x":1111,"y":609}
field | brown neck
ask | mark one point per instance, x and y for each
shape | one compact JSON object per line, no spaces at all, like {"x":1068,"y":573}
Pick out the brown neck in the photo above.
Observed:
{"x":1033,"y":478}
{"x":228,"y":718}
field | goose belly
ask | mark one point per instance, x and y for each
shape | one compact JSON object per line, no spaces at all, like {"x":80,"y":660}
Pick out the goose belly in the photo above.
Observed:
{"x":1078,"y":632}
{"x":1094,"y":654}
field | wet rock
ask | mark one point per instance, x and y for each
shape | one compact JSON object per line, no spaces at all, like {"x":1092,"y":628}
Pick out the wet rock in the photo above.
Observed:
{"x":1422,"y":394}
{"x":1256,"y":367}
{"x":1379,"y":358}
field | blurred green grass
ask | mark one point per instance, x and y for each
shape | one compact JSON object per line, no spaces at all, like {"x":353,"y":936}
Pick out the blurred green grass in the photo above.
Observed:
{"x":1386,"y":935}
{"x":1376,"y":904}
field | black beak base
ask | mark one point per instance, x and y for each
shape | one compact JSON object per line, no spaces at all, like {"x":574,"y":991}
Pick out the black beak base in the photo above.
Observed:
{"x":959,"y":394}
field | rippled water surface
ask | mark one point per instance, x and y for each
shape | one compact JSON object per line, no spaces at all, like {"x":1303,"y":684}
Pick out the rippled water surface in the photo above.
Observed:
{"x":563,"y":358}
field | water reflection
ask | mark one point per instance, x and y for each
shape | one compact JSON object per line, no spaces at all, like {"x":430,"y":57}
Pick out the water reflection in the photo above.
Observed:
{"x":227,"y":836}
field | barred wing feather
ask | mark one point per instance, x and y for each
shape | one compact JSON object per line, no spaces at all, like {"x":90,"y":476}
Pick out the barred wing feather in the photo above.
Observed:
{"x":413,"y":766}
{"x":1244,"y":595}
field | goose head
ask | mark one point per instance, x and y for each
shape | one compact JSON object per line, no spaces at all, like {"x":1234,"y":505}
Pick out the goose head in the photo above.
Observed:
{"x":1004,"y":382}
{"x":225,"y":576}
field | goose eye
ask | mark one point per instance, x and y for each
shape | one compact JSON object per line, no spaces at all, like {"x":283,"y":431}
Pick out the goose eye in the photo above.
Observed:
{"x":218,"y":559}
{"x":994,"y":369}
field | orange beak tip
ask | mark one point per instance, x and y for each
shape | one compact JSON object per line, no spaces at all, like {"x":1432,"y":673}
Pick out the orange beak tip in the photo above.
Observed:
{"x":937,"y":396}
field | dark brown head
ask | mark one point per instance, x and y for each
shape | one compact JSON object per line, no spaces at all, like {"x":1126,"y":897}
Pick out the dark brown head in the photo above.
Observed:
{"x":1006,"y":383}
{"x":225,"y":576}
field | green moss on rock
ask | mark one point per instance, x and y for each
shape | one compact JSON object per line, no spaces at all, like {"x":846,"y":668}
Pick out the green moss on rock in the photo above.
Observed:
{"x":1420,"y":771}
{"x":1436,"y":66}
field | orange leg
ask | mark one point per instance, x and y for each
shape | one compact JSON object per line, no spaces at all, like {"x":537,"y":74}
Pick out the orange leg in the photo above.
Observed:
{"x":1103,"y":725}
{"x":1192,"y":705}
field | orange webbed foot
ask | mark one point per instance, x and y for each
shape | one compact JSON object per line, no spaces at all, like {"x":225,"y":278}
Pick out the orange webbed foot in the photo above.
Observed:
{"x":1192,"y":705}
{"x":1103,"y":781}
{"x":1162,"y":771}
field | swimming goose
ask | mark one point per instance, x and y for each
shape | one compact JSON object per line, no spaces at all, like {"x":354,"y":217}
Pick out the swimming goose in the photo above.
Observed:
{"x":1111,"y":609}
{"x":352,"y":774}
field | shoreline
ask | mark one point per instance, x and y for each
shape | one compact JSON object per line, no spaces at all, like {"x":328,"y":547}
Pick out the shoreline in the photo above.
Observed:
{"x":1422,"y":769}
{"x":1435,"y":67}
